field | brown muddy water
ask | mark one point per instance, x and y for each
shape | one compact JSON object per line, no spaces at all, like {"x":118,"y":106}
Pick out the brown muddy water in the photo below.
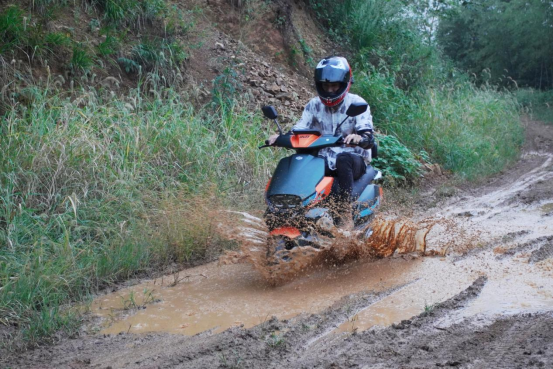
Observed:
{"x":218,"y":296}
{"x":417,"y":262}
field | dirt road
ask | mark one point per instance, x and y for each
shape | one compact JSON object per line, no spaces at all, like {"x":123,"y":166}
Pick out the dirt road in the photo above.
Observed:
{"x":485,"y":302}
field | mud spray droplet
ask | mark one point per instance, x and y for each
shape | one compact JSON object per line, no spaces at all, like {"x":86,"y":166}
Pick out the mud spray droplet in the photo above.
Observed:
{"x":388,"y":236}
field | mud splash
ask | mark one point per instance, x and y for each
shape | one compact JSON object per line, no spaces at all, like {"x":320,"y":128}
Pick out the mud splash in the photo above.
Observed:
{"x":389,"y":236}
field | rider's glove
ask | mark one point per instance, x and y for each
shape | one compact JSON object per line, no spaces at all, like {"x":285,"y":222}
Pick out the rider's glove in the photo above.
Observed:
{"x":368,"y":140}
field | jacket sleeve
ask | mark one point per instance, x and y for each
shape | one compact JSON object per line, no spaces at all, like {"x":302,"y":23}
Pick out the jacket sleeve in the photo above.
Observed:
{"x":364,"y":121}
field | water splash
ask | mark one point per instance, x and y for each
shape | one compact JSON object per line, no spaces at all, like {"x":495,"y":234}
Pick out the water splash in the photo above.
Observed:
{"x":389,"y":236}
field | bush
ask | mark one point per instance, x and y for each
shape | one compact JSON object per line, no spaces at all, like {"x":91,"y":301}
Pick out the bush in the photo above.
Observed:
{"x":398,"y":164}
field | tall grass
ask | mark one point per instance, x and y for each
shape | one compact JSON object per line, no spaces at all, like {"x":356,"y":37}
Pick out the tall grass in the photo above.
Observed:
{"x":539,"y":104}
{"x":471,"y":131}
{"x":90,"y":188}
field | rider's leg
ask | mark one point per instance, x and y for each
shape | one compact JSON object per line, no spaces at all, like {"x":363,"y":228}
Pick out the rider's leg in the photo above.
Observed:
{"x":349,"y":167}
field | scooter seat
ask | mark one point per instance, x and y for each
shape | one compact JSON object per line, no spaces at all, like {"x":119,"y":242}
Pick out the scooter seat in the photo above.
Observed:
{"x":363,"y":181}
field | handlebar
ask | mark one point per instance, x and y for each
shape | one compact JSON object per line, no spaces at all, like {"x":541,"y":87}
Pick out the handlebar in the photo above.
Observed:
{"x":339,"y":141}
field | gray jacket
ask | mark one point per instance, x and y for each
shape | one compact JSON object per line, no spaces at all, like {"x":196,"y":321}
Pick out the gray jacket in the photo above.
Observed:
{"x":318,"y":116}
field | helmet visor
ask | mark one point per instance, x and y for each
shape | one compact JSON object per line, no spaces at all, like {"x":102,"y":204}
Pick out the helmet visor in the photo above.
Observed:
{"x":331,"y":74}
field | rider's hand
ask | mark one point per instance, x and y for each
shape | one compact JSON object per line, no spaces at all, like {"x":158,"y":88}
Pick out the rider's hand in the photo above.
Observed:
{"x":352,"y":139}
{"x":272,"y":139}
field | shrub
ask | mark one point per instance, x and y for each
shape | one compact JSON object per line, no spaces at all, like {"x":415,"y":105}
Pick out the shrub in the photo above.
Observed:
{"x":398,"y":164}
{"x":81,"y":59}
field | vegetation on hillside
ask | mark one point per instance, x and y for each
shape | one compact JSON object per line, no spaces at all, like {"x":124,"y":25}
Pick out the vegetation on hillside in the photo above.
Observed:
{"x":38,"y":34}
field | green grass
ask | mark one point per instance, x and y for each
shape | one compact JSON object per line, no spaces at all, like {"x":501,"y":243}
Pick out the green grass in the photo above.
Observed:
{"x":539,"y":104}
{"x":90,"y":194}
{"x":471,"y":131}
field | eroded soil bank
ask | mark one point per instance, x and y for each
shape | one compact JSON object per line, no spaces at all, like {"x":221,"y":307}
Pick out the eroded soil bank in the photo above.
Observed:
{"x":480,"y":297}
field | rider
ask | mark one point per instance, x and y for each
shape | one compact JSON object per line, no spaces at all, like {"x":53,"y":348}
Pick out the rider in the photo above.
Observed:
{"x":333,"y":79}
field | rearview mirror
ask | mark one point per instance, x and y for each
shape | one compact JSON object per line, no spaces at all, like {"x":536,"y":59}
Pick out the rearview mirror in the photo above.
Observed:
{"x":356,"y":109}
{"x":269,"y":112}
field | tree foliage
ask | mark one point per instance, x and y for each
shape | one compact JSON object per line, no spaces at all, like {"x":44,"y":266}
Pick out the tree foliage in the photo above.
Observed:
{"x":507,"y":42}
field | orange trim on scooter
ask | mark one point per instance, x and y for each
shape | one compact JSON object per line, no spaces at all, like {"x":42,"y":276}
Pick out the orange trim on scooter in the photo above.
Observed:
{"x":302,"y":141}
{"x":323,"y":188}
{"x":268,"y":184}
{"x":289,"y":232}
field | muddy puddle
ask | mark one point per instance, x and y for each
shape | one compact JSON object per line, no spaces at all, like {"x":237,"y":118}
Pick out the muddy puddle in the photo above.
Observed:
{"x":219,"y":297}
{"x":241,"y":288}
{"x":213,"y":297}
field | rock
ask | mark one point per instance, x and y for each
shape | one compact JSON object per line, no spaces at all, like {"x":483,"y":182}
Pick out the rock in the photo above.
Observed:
{"x":273,"y":89}
{"x":434,"y":169}
{"x":284,"y":96}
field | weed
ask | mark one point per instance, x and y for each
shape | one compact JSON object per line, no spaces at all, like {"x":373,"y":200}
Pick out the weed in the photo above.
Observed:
{"x":537,"y":103}
{"x":275,"y":340}
{"x":396,"y":161}
{"x":13,"y":28}
{"x":129,"y":65}
{"x":307,"y":53}
{"x":81,"y":59}
{"x":231,"y":364}
{"x":130,"y":302}
{"x":225,"y":87}
{"x":109,"y":46}
{"x":280,"y":21}
{"x":428,"y":308}
{"x":94,"y":24}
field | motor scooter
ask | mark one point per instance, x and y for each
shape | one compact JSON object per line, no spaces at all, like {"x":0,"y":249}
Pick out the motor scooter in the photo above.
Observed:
{"x":299,"y":195}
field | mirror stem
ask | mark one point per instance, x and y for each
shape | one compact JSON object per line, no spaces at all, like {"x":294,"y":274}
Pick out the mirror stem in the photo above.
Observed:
{"x":339,"y":125}
{"x":279,"y":128}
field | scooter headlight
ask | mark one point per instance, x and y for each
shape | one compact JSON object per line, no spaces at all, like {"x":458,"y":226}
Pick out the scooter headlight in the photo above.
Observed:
{"x":285,"y":201}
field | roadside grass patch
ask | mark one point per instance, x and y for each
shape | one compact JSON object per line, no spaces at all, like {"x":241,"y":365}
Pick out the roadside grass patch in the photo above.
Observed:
{"x":275,"y":340}
{"x":537,"y":103}
{"x":474,"y":132}
{"x":94,"y":191}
